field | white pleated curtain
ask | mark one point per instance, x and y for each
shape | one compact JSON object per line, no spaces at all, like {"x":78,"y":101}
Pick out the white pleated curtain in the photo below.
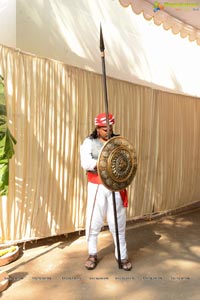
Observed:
{"x":51,"y":108}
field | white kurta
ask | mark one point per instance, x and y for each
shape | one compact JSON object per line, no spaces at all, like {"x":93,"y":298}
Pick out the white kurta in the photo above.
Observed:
{"x":100,"y":205}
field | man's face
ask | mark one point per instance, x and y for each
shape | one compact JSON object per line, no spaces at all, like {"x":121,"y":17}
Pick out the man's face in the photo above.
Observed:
{"x":103,"y":132}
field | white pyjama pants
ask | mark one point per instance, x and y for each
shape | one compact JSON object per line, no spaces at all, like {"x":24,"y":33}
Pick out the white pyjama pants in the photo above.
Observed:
{"x":99,"y":206}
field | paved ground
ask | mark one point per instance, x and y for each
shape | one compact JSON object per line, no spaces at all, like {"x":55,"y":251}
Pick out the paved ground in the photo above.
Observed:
{"x":166,"y":265}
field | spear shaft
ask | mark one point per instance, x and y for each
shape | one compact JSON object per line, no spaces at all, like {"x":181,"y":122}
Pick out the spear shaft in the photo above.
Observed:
{"x":102,"y":48}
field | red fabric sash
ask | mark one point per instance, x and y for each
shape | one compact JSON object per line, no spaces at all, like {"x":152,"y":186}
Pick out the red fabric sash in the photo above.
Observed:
{"x":94,"y":178}
{"x":124,"y":196}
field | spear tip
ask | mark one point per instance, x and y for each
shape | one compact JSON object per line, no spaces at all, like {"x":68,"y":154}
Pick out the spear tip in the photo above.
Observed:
{"x":102,"y":48}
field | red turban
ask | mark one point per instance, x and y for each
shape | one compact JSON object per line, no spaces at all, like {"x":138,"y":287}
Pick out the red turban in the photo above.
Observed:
{"x":100,"y":120}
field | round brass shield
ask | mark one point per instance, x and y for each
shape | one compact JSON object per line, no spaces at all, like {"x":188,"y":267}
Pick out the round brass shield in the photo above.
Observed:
{"x":117,"y":163}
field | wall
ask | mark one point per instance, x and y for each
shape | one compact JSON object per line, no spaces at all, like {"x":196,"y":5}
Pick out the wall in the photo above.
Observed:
{"x":8,"y":22}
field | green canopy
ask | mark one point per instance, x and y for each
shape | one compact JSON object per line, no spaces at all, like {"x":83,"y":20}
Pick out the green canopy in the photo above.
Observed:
{"x":7,"y":142}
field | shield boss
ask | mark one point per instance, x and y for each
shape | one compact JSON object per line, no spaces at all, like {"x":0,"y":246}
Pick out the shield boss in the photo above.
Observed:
{"x":117,"y":163}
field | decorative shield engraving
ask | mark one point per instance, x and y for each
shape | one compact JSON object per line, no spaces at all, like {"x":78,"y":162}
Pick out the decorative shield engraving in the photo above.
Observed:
{"x":117,"y":163}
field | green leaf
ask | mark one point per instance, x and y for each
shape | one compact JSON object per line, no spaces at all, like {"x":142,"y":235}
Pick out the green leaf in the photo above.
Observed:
{"x":4,"y":178}
{"x":7,"y":142}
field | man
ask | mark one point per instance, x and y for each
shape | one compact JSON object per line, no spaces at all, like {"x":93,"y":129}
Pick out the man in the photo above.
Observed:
{"x":99,"y":199}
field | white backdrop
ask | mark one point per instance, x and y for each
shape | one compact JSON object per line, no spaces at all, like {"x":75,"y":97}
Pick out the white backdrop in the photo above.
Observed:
{"x":8,"y":22}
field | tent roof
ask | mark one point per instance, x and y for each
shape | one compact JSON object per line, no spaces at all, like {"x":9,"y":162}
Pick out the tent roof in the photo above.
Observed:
{"x":137,"y":50}
{"x":181,"y":17}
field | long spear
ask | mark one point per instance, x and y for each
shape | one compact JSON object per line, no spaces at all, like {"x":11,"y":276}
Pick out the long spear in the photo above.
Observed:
{"x":102,"y":48}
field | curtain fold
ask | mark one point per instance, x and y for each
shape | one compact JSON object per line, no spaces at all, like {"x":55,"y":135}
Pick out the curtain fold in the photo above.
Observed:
{"x":51,"y":108}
